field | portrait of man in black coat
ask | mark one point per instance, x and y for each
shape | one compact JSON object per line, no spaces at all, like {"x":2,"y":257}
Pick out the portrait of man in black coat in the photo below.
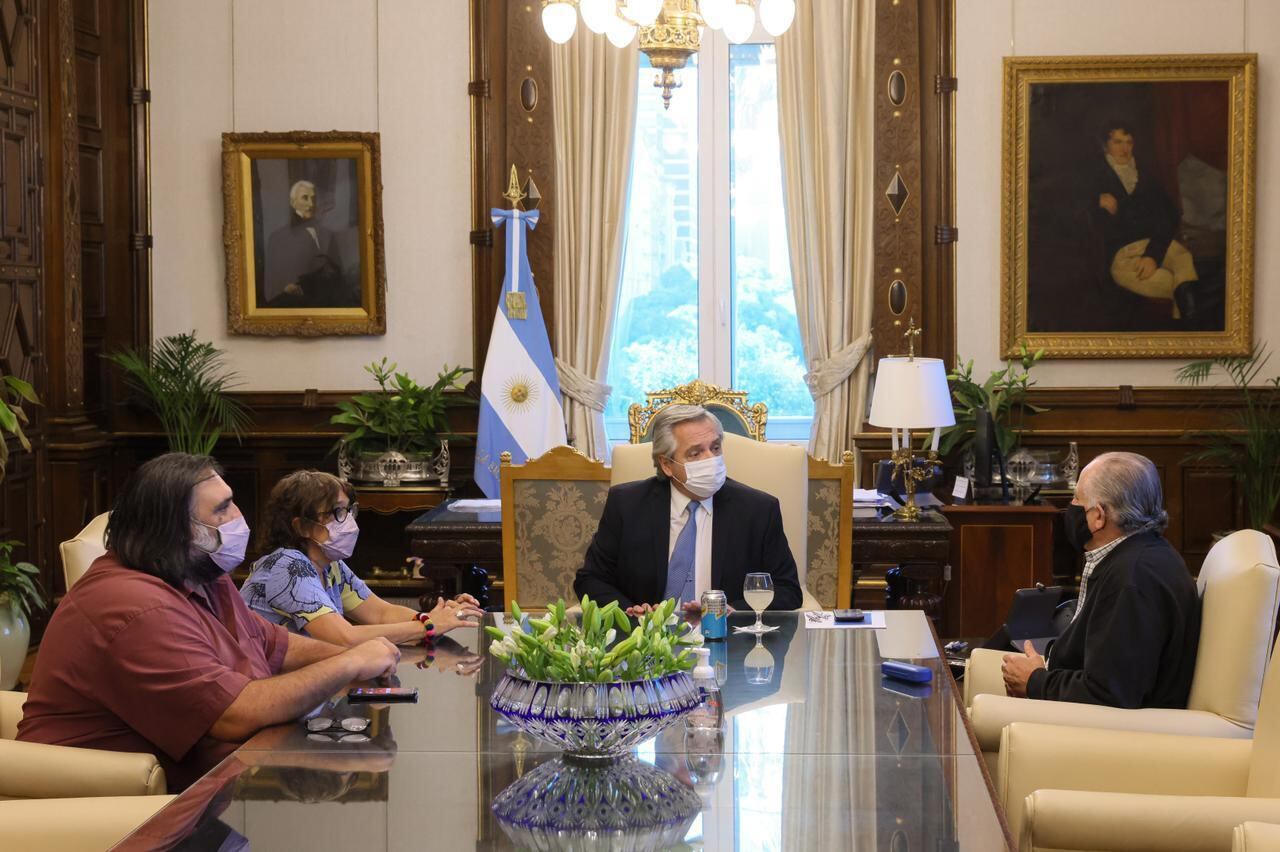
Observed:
{"x":645,"y":550}
{"x":304,"y":265}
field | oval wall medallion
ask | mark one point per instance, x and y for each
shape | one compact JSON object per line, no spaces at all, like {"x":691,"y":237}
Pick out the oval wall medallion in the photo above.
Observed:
{"x":898,"y":297}
{"x":897,"y":88}
{"x":529,"y":94}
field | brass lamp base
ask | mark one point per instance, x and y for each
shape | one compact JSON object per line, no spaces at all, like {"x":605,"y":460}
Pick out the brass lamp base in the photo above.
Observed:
{"x":904,"y":461}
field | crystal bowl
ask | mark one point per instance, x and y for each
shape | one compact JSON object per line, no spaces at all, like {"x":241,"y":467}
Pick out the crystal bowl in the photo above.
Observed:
{"x":625,"y":805}
{"x":594,"y":721}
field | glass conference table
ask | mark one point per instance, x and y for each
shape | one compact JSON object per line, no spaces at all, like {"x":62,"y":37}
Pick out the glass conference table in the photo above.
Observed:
{"x":819,"y":752}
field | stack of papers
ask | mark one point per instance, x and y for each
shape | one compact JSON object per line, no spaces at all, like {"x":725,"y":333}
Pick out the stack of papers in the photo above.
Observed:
{"x":475,"y":506}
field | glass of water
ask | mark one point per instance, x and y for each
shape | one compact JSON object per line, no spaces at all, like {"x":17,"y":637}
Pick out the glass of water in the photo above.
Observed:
{"x":757,"y":589}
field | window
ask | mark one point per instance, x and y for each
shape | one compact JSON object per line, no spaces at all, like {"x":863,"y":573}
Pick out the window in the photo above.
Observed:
{"x":706,"y":280}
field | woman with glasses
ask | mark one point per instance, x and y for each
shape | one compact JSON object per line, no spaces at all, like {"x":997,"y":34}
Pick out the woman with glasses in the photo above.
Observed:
{"x":305,"y":584}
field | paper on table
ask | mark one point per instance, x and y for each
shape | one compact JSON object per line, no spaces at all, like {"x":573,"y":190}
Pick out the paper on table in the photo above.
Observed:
{"x":827,"y":620}
{"x":867,"y":495}
{"x":475,"y":506}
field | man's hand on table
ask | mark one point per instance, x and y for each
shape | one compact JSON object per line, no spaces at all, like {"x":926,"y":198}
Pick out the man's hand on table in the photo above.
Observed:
{"x":374,"y":658}
{"x":1017,"y":670}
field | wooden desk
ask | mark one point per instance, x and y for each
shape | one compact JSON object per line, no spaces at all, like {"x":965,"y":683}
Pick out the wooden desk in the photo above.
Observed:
{"x":380,"y":558}
{"x":995,"y":550}
{"x":920,"y":549}
{"x":460,"y":552}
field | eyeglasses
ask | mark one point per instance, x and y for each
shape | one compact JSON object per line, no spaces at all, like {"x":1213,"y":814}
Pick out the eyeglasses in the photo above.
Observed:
{"x":340,"y":513}
{"x":349,"y":730}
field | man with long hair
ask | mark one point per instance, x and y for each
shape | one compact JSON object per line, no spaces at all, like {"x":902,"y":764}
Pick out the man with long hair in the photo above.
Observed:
{"x":154,"y":650}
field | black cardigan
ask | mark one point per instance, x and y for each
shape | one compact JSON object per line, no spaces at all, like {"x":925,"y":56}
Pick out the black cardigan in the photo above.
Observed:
{"x":1134,"y":642}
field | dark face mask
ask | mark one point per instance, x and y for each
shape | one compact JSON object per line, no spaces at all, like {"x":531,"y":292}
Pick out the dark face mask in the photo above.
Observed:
{"x":1076,"y":526}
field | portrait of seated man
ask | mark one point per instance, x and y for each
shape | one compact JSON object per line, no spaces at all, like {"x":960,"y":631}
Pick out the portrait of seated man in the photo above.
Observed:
{"x":688,"y":528}
{"x":1139,"y":222}
{"x":304,"y":262}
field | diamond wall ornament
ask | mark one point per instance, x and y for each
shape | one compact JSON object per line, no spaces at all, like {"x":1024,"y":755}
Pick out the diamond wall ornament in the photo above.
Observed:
{"x":897,"y":193}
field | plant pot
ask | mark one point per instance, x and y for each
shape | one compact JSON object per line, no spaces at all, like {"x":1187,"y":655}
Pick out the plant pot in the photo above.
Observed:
{"x":594,"y":722}
{"x":393,"y":468}
{"x":15,"y":637}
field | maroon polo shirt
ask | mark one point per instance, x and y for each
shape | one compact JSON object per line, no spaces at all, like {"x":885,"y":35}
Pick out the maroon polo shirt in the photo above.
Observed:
{"x":130,"y":663}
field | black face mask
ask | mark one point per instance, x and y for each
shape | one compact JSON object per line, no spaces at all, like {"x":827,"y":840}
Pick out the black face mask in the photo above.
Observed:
{"x":1076,"y":525}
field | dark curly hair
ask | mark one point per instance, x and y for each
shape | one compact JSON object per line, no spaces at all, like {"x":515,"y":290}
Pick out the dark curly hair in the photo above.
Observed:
{"x":302,"y":494}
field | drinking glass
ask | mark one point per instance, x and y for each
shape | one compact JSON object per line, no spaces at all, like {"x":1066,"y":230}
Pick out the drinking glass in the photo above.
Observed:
{"x":758,"y":591}
{"x":758,"y":664}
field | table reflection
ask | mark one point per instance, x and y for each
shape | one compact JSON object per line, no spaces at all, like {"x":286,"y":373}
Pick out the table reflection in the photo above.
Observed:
{"x":818,"y":751}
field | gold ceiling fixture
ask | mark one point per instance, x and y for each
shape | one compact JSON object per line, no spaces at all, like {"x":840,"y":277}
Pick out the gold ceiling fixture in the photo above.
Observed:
{"x":670,"y":31}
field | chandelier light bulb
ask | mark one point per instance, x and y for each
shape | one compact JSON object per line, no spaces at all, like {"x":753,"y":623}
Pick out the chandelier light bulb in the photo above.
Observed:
{"x":776,"y":15}
{"x":597,"y":14}
{"x":740,"y":23}
{"x":559,"y":20}
{"x":620,"y":32}
{"x":715,"y":12}
{"x":643,"y":12}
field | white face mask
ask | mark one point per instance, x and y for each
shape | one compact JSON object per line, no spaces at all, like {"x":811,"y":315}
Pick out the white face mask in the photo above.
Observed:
{"x":704,"y":477}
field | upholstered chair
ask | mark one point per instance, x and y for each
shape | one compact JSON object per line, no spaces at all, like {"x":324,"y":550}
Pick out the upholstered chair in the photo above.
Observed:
{"x":78,"y":553}
{"x":1255,"y":837}
{"x":551,"y":507}
{"x":75,"y":825}
{"x":1083,"y":788}
{"x":38,"y":771}
{"x":779,"y":469}
{"x":736,"y":413}
{"x":1239,"y":585}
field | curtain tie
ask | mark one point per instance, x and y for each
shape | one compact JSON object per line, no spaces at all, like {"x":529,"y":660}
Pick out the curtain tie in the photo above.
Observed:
{"x":581,"y":388}
{"x":825,"y":376}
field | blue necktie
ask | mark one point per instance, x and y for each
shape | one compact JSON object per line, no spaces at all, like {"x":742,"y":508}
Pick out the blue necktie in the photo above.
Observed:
{"x":680,"y":573}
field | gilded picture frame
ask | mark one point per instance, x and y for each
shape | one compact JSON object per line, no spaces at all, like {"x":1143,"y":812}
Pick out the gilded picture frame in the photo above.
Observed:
{"x":1127,"y":222}
{"x":302,"y":232}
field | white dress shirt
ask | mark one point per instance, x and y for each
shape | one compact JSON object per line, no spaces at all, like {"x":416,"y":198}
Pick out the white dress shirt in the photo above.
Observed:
{"x":702,"y":544}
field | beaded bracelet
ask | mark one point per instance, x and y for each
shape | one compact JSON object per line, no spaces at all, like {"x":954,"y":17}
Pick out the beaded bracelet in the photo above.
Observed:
{"x":429,"y":628}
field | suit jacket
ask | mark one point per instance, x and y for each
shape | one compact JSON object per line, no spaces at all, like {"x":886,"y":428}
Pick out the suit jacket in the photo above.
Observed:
{"x":1134,"y":642}
{"x":1145,"y":214}
{"x":627,"y":559}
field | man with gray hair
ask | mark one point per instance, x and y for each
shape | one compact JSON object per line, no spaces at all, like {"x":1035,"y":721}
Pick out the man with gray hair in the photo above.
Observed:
{"x":688,"y":528}
{"x":1133,"y":639}
{"x":304,"y":266}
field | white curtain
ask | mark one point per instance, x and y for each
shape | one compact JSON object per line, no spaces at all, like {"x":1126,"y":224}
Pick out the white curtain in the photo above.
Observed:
{"x":593,"y":94}
{"x":826,"y":92}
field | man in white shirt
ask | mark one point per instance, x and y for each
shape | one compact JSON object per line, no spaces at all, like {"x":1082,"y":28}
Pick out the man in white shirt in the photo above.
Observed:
{"x":688,"y":528}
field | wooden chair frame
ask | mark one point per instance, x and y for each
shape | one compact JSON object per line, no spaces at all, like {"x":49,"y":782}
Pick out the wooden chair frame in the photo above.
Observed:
{"x":559,"y":463}
{"x":823,"y":469}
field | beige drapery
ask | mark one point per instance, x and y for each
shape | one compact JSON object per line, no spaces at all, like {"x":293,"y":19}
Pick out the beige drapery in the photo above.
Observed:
{"x":825,"y":110}
{"x":593,"y":87}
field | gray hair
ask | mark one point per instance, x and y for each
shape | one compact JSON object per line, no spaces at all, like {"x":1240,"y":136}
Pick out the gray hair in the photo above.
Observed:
{"x":1128,"y":485}
{"x":296,"y":190}
{"x":663,"y":429}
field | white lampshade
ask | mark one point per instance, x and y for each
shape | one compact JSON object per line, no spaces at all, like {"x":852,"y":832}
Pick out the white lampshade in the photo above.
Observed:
{"x":559,"y":19}
{"x":911,"y":393}
{"x":715,"y":12}
{"x":740,"y":23}
{"x":597,"y":14}
{"x":620,"y":33}
{"x":642,"y":12}
{"x":776,"y":15}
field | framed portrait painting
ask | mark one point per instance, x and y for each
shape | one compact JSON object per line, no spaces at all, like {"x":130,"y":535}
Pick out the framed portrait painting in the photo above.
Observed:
{"x":302,"y":228}
{"x":1127,"y":196}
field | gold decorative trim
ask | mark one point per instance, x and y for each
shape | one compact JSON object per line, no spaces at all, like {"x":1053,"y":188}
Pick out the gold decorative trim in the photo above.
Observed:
{"x":1020,"y":74}
{"x":697,"y":392}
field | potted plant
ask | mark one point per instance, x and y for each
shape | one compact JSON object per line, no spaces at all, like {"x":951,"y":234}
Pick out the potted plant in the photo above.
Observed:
{"x":1003,"y":396}
{"x":184,"y":382}
{"x":1250,"y":450}
{"x":399,"y":432}
{"x":20,"y":598}
{"x":597,"y":685}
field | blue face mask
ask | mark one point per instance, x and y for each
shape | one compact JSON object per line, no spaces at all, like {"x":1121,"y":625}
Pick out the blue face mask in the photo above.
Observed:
{"x":231,"y":540}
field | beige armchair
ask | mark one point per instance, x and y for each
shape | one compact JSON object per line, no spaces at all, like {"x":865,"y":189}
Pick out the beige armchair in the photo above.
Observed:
{"x":1255,"y":837}
{"x":780,"y":469}
{"x":75,"y":825}
{"x":1239,"y":585}
{"x":1079,"y":788}
{"x":38,"y":771}
{"x":78,"y":553}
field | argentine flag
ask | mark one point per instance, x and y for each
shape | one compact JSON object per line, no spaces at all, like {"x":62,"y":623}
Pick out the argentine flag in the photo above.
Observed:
{"x":519,"y":392}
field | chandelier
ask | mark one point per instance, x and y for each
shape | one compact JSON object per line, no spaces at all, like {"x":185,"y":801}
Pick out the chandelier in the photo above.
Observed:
{"x":670,"y":31}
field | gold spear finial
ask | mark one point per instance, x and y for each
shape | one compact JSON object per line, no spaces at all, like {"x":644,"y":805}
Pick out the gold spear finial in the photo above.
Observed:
{"x":513,"y":193}
{"x":911,"y":334}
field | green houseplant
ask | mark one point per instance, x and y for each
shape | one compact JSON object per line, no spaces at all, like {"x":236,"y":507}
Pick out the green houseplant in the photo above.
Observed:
{"x":1004,"y":394}
{"x":185,"y":383}
{"x":20,"y":598}
{"x":1251,"y":448}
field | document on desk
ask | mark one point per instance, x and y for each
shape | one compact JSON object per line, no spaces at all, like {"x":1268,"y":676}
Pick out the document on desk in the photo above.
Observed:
{"x":475,"y":506}
{"x":817,"y":620}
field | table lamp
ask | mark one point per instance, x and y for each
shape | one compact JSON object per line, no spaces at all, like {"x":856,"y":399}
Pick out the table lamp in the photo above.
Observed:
{"x":911,"y":393}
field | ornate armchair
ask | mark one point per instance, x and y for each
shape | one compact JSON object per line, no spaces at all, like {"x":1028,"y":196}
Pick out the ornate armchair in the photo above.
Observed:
{"x":736,"y":414}
{"x":78,"y":553}
{"x":829,"y":531}
{"x":551,"y":507}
